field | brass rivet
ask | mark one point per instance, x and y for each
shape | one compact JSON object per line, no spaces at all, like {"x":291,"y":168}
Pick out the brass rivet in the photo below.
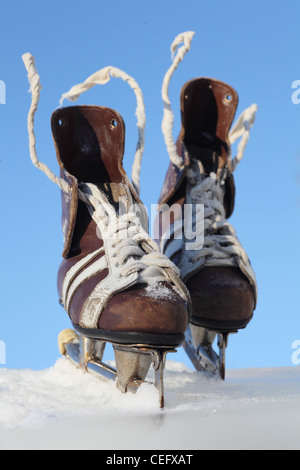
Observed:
{"x":228,"y":98}
{"x":113,"y":124}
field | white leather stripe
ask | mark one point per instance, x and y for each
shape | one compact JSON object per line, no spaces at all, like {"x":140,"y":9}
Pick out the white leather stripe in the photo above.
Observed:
{"x":71,"y":274}
{"x":86,"y":274}
{"x":103,"y":292}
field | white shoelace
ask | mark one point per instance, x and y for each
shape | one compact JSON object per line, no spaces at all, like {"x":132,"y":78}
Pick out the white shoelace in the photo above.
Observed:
{"x":221,"y":245}
{"x":178,"y":55}
{"x":132,"y":247}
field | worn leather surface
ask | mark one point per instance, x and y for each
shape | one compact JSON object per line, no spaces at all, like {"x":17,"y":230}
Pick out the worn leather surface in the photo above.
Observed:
{"x":208,"y":108}
{"x":89,"y":143}
{"x":175,"y":176}
{"x":135,"y":310}
{"x":69,"y":211}
{"x":222,"y":298}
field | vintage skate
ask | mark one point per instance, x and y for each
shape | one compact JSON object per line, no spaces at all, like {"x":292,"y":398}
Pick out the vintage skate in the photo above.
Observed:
{"x":113,"y":282}
{"x":200,"y":241}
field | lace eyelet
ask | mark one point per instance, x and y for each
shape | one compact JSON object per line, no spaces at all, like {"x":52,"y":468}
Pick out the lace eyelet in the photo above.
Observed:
{"x":228,"y":98}
{"x":61,"y":122}
{"x":113,"y":124}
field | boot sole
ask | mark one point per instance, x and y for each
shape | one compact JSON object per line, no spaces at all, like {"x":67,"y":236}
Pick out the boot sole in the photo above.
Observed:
{"x":220,"y":327}
{"x":131,"y":338}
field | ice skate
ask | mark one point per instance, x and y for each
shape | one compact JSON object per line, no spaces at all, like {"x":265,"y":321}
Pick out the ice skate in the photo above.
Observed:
{"x":196,"y":201}
{"x":113,"y":282}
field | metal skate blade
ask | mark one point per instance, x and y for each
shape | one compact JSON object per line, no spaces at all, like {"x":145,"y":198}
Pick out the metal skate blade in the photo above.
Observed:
{"x":132,"y":367}
{"x":132,"y":361}
{"x":198,"y":346}
{"x":159,"y":362}
{"x":222,"y":344}
{"x":86,"y":354}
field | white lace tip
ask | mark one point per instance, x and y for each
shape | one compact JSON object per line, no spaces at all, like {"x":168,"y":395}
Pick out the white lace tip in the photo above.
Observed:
{"x":28,"y":60}
{"x":33,"y":76}
{"x":67,"y":96}
{"x":178,"y":55}
{"x":251,"y":113}
{"x":185,"y":38}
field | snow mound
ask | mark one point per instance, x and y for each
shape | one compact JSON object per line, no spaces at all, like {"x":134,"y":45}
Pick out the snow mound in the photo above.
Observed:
{"x":64,"y":408}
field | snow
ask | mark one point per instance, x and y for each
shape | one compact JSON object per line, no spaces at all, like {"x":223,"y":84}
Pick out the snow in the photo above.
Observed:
{"x":158,"y":291}
{"x":64,"y":408}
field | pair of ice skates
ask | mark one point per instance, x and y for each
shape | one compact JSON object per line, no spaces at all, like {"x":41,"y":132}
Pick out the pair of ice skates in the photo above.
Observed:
{"x":115,"y":282}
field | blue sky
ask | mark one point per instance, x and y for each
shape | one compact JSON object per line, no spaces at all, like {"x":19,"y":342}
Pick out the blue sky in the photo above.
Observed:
{"x":253,"y":46}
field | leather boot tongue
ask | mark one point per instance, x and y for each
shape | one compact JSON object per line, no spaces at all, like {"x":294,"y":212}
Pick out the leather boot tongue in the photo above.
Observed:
{"x":121,"y":198}
{"x":211,"y":161}
{"x":208,"y":107}
{"x":89,"y":143}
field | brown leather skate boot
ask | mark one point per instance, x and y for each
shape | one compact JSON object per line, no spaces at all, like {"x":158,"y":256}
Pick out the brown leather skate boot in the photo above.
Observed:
{"x":215,"y":267}
{"x":113,"y":282}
